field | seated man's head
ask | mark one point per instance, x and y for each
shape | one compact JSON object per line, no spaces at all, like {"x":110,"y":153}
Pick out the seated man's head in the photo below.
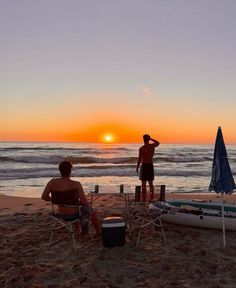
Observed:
{"x":65,"y":168}
{"x":146,"y":138}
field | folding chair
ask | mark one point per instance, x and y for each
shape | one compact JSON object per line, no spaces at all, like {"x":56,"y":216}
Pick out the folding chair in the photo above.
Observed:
{"x":63,"y":202}
{"x":149,"y":217}
{"x":143,"y":216}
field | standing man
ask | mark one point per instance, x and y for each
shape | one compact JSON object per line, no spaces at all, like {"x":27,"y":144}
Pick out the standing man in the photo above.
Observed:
{"x":145,"y":158}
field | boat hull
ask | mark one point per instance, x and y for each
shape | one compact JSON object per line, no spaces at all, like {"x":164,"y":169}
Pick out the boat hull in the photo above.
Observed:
{"x":209,"y":219}
{"x":205,"y":204}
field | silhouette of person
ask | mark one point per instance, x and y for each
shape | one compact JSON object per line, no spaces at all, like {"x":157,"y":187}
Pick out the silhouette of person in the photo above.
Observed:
{"x":145,"y":158}
{"x":64,"y":183}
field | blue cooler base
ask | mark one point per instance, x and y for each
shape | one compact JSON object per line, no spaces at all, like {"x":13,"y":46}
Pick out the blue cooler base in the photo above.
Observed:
{"x":113,"y":231}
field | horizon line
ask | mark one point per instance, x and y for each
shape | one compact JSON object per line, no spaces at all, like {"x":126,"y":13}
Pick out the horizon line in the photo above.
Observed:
{"x":110,"y":143}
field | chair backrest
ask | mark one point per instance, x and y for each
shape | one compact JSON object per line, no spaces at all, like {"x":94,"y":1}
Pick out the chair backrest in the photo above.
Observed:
{"x":68,"y":197}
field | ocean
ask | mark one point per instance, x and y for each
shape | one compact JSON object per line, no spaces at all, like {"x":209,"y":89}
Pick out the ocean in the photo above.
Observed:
{"x":25,"y":168}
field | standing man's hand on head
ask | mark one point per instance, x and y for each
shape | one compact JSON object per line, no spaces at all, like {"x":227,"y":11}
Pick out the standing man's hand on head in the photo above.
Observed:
{"x":157,"y":143}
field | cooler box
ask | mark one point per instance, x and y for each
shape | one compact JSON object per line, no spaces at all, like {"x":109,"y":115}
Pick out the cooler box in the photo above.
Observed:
{"x":113,"y":231}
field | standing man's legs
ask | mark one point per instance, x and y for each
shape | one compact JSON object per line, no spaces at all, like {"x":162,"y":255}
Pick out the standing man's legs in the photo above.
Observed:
{"x":144,"y":191}
{"x":151,"y":196}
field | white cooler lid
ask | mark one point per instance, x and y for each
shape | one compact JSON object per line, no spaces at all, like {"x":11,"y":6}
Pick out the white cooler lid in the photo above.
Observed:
{"x":113,"y":221}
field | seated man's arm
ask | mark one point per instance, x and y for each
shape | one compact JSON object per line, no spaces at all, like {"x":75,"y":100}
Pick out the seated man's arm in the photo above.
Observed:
{"x":45,"y":196}
{"x":82,"y":197}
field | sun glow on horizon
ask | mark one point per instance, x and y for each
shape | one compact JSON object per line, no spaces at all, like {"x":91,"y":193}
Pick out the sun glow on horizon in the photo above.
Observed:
{"x":108,"y":138}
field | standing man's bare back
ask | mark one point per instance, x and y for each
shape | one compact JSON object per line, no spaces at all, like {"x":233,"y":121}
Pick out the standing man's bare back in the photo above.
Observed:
{"x":145,"y":158}
{"x":146,"y":152}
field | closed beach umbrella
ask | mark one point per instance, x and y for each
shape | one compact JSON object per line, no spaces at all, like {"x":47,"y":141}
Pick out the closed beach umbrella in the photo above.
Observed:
{"x":222,"y":180}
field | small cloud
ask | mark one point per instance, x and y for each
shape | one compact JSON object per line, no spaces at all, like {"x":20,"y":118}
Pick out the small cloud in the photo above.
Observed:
{"x":146,"y":91}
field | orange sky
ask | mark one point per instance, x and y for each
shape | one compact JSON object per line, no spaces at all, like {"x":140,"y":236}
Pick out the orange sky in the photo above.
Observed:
{"x":89,"y":117}
{"x":126,"y":132}
{"x":77,"y":72}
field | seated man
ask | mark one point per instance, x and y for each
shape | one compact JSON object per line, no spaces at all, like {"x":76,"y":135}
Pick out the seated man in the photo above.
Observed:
{"x":64,"y":183}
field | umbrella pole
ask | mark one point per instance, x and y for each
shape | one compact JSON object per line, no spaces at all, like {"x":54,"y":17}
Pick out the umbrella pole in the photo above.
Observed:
{"x":223,"y":218}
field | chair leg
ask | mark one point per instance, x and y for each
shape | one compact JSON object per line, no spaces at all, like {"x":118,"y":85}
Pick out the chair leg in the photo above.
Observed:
{"x":139,"y":234}
{"x":71,"y":231}
{"x":53,"y":229}
{"x":163,"y":231}
{"x":155,"y":223}
{"x":158,"y":223}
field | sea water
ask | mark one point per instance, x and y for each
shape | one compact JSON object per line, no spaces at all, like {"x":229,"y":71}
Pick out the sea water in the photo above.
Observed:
{"x":25,"y":168}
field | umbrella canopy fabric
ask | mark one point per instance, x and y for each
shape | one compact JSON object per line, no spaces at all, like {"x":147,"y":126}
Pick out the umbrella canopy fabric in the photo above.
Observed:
{"x":222,"y":180}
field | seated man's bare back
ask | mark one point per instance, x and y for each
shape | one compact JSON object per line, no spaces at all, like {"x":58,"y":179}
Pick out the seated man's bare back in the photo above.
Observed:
{"x":64,"y":183}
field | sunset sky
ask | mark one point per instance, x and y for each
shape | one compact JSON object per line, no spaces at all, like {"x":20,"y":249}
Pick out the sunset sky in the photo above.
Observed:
{"x":76,"y":70}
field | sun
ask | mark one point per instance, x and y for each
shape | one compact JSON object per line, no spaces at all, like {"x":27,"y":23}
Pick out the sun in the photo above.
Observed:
{"x":108,"y":138}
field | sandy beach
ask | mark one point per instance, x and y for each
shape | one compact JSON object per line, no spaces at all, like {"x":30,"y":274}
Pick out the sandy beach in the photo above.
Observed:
{"x":190,"y":258}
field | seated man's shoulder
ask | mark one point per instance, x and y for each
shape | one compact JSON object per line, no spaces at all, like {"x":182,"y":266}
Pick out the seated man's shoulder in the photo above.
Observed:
{"x":75,"y":184}
{"x":54,"y":180}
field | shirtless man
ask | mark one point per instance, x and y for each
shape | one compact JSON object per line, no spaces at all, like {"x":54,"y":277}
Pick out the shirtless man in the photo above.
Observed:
{"x":64,"y":183}
{"x":145,"y":158}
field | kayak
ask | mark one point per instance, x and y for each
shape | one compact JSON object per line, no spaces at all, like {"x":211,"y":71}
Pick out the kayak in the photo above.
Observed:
{"x":204,"y":204}
{"x":200,"y":217}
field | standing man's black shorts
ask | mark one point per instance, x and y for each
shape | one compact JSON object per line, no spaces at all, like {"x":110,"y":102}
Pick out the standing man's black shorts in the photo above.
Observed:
{"x":146,"y":172}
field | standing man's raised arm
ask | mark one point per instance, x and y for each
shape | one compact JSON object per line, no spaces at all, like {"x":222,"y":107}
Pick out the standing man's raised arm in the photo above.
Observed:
{"x":155,"y":142}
